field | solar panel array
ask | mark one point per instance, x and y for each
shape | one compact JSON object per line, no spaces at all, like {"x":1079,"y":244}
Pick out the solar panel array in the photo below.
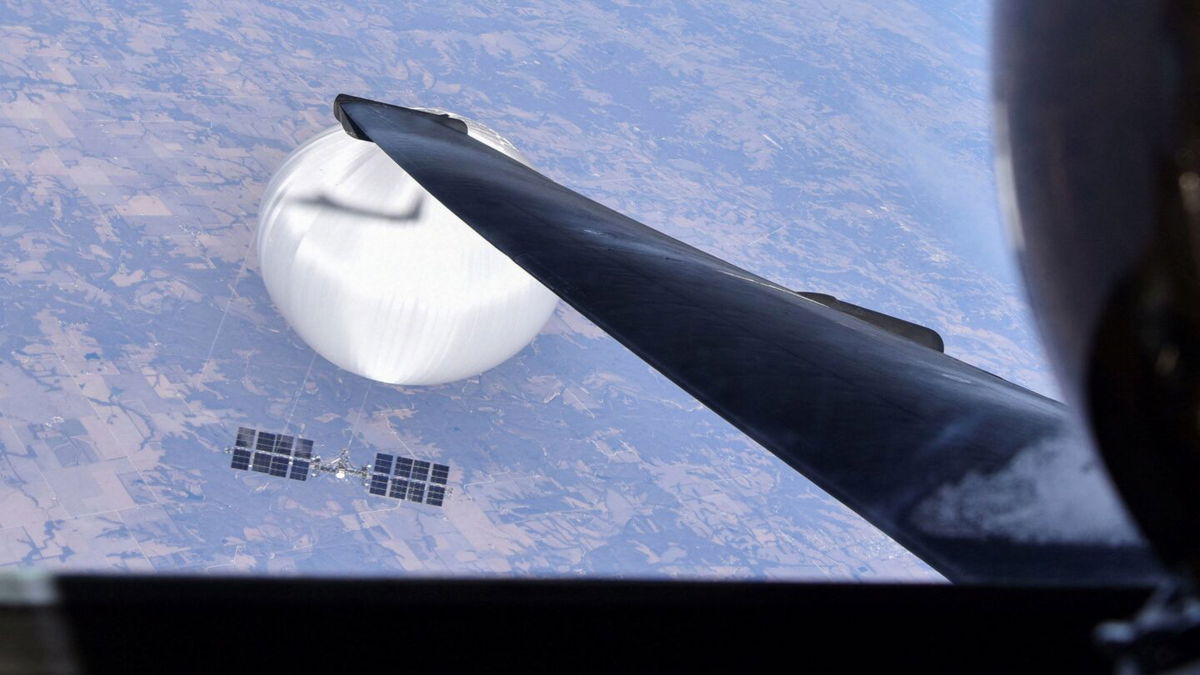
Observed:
{"x":412,"y":479}
{"x":275,"y":454}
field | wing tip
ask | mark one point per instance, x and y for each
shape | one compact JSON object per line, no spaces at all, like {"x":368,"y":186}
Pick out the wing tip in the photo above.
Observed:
{"x":355,"y":131}
{"x":347,"y":122}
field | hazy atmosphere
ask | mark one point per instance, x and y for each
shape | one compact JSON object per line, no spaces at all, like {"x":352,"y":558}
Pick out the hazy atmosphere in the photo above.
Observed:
{"x":835,"y":147}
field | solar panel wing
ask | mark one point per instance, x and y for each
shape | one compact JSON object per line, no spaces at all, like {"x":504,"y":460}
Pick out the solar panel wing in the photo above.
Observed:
{"x":304,"y":448}
{"x":399,"y":488}
{"x":266,"y":441}
{"x":420,"y":470}
{"x":439,"y":474}
{"x":435,"y":495}
{"x":379,"y":485}
{"x":241,"y":459}
{"x":283,"y":444}
{"x":279,"y":466}
{"x":245,"y":437}
{"x":383,"y":463}
{"x":299,"y":470}
{"x":262,"y":462}
{"x":404,"y":467}
{"x":416,"y":492}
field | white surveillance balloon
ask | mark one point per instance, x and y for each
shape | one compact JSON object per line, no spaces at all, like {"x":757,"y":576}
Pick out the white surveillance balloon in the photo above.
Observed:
{"x":380,"y":278}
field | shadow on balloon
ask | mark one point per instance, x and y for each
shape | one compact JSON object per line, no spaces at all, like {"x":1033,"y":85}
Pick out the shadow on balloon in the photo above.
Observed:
{"x":411,"y":216}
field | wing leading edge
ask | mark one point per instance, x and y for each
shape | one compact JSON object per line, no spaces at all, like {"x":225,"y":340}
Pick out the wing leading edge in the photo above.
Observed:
{"x":984,"y":480}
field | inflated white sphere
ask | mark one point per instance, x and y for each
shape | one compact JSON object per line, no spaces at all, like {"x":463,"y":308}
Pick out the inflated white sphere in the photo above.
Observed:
{"x":380,"y":278}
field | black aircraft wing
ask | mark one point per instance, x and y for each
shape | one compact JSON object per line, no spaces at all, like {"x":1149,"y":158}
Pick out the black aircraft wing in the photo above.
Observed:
{"x":984,"y":480}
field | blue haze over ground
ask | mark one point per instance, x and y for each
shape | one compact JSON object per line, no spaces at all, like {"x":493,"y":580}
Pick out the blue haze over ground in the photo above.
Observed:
{"x":840,"y":147}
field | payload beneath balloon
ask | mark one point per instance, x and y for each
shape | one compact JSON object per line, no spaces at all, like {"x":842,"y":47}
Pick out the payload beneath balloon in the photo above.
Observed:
{"x":380,"y":278}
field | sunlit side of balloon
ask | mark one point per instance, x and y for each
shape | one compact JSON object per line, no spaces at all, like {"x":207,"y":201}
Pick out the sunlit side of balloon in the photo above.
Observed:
{"x":380,"y":278}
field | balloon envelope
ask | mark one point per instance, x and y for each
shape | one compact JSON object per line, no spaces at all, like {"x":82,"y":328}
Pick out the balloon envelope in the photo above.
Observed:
{"x":380,"y":278}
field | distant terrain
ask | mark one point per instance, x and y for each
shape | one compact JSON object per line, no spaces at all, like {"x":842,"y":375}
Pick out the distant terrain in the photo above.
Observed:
{"x":834,"y":147}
